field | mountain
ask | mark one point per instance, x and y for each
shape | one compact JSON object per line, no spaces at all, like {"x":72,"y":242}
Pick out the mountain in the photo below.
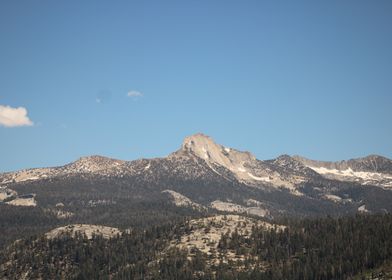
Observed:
{"x":200,"y":178}
{"x":370,"y":170}
{"x":205,"y":171}
{"x":371,"y":163}
{"x":205,"y":202}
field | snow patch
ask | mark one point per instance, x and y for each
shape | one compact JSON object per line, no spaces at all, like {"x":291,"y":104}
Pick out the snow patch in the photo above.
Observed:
{"x":265,"y":179}
{"x":365,"y":178}
{"x":206,"y":156}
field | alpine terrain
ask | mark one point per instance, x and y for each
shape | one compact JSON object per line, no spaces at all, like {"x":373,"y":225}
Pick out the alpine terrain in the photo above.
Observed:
{"x":205,"y":211}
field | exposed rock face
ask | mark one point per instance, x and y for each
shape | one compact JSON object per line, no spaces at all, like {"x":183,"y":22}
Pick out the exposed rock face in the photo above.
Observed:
{"x":183,"y":201}
{"x":23,"y":201}
{"x":204,"y":147}
{"x":293,"y":166}
{"x":214,"y":154}
{"x":243,"y":165}
{"x":256,"y":210}
{"x":88,"y":230}
{"x":92,"y":164}
{"x":207,"y":232}
{"x":6,"y":193}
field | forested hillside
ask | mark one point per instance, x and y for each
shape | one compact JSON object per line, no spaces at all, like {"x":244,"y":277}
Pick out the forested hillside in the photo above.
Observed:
{"x":325,"y":248}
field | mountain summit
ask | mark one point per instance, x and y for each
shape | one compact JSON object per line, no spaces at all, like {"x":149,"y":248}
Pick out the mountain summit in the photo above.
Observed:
{"x":205,"y":147}
{"x":239,"y":163}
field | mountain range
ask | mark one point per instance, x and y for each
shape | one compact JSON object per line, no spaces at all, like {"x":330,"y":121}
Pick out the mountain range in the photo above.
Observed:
{"x":205,"y":176}
{"x":205,"y":211}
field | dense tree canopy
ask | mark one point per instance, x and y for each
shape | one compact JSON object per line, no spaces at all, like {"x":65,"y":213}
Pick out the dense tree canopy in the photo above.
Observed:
{"x":325,"y":248}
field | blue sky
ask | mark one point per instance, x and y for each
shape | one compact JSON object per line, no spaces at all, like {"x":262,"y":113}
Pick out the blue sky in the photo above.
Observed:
{"x":299,"y":77}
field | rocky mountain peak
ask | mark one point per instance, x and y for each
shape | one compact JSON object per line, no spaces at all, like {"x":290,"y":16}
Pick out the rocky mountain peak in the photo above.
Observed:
{"x":285,"y":158}
{"x":205,"y":147}
{"x":243,"y":165}
{"x":198,"y":143}
{"x":94,"y":163}
{"x":373,"y":163}
{"x":288,"y":161}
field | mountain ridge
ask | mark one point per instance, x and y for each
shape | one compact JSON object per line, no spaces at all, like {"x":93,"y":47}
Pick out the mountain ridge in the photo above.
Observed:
{"x":241,"y":164}
{"x":371,"y":159}
{"x":210,"y":175}
{"x":372,"y":162}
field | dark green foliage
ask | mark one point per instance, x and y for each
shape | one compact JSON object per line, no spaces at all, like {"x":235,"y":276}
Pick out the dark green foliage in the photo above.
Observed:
{"x":93,"y":200}
{"x":19,"y":222}
{"x":324,"y":248}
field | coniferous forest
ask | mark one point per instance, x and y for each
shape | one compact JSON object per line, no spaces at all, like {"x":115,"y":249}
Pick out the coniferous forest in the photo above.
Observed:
{"x":323,"y":248}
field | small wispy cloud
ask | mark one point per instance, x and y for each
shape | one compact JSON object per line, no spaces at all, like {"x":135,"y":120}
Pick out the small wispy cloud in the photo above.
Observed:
{"x":13,"y":117}
{"x":103,"y":96}
{"x":134,"y":93}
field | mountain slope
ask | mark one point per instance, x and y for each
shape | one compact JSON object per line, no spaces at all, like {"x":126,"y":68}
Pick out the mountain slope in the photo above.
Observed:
{"x":214,"y":247}
{"x":205,"y":171}
{"x":201,"y":178}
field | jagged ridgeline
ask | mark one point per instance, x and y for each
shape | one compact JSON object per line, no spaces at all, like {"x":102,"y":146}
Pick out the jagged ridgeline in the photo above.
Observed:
{"x":95,"y":197}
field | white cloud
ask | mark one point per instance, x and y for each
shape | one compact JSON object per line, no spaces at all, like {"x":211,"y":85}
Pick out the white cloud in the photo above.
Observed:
{"x":11,"y":117}
{"x":134,"y":93}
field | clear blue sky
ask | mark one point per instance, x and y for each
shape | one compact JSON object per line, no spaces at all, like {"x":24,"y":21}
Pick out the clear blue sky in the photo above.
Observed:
{"x":299,"y":77}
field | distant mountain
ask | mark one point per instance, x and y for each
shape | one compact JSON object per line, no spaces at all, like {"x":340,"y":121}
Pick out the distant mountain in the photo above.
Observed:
{"x":204,"y":171}
{"x":200,"y":178}
{"x":370,"y":170}
{"x":371,"y":163}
